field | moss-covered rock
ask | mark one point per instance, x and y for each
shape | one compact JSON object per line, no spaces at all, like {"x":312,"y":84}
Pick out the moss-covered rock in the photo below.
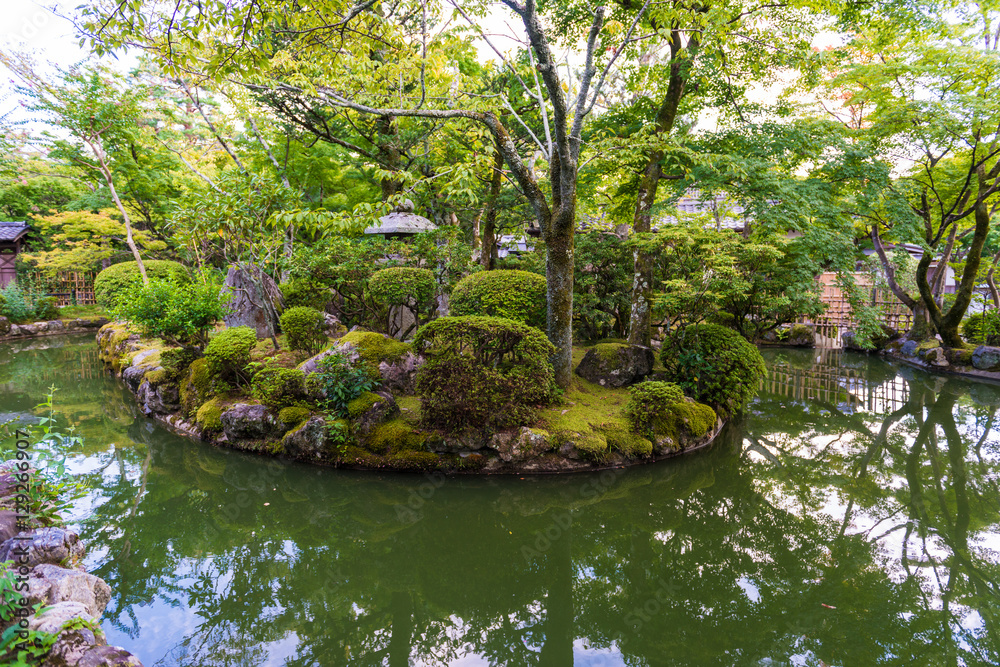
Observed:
{"x":293,"y":416}
{"x":362,"y":403}
{"x":591,"y":446}
{"x":411,"y":460}
{"x":374,"y":348}
{"x":627,"y":443}
{"x":616,"y":364}
{"x":209,"y":417}
{"x":197,"y":387}
{"x":394,"y":436}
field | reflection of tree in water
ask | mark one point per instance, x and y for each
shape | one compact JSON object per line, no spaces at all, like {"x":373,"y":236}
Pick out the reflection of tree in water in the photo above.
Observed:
{"x":857,"y":539}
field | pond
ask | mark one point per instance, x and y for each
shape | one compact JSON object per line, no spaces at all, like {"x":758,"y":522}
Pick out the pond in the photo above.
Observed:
{"x":852,"y":519}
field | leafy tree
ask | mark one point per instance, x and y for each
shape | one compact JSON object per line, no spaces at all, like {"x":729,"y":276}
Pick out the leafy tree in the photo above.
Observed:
{"x":927,"y":100}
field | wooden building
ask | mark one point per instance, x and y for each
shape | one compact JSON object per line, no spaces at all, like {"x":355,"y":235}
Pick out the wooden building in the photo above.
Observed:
{"x":12,"y":236}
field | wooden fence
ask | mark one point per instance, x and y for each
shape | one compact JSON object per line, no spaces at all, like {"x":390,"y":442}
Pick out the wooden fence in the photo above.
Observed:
{"x":838,"y":316}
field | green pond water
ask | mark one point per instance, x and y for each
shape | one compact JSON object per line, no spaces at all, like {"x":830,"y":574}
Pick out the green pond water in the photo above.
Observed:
{"x":852,"y":519}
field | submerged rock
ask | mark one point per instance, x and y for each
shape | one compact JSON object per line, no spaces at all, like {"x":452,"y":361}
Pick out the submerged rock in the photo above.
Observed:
{"x":616,"y":364}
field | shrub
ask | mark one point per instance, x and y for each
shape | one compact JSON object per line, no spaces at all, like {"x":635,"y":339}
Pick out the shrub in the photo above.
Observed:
{"x":305,"y":293}
{"x":514,"y":295}
{"x":16,"y":304}
{"x":47,"y":308}
{"x":175,"y":360}
{"x":180,"y":313}
{"x":228,"y":354}
{"x":109,"y":283}
{"x":413,"y":289}
{"x":303,"y":326}
{"x":714,"y":365}
{"x":483,"y":372}
{"x":338,"y":382}
{"x":277,"y":387}
{"x":649,"y":400}
{"x":982,"y":328}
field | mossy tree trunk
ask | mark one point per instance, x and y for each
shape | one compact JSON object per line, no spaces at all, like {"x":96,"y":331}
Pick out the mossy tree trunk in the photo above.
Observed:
{"x":681,"y":58}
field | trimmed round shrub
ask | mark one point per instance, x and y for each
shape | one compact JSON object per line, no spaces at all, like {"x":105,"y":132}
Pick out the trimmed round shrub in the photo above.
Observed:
{"x":305,"y":293}
{"x":278,"y":387}
{"x":649,"y":400}
{"x":483,"y":372}
{"x":303,"y":326}
{"x":112,"y":281}
{"x":402,"y":286}
{"x":514,"y":295}
{"x":228,"y":354}
{"x":714,"y":365}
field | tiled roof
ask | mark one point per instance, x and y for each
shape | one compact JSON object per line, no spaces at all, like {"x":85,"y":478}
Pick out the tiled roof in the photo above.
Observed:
{"x":402,"y":223}
{"x":11,"y":231}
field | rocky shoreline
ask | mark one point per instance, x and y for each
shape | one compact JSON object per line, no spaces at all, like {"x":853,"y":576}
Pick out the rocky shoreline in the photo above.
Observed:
{"x":10,"y":331}
{"x":246,"y":425}
{"x":47,"y":563}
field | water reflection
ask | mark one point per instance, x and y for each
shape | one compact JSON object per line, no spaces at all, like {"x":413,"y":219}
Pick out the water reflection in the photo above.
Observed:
{"x":851,"y":520}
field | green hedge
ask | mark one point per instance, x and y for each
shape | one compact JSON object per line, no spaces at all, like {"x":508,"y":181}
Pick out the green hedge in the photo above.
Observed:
{"x":305,"y":293}
{"x":982,"y":328}
{"x":402,"y":286}
{"x":483,"y":372}
{"x":228,"y":354}
{"x":110,"y":282}
{"x":303,"y":326}
{"x":514,"y":295}
{"x":714,"y":365}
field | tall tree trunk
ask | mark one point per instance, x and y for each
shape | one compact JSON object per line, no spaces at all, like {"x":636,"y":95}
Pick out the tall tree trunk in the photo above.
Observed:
{"x":947,"y":323}
{"x":488,"y":235}
{"x":642,"y":269}
{"x":559,"y":293}
{"x":992,"y":282}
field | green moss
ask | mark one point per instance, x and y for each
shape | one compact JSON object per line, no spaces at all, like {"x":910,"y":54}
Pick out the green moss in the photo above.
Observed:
{"x":593,"y":446}
{"x":961,"y":356}
{"x":158,"y":377}
{"x":362,"y":404}
{"x":409,"y":406}
{"x":209,"y":416}
{"x":356,"y":456}
{"x":293,"y":416}
{"x":629,"y":444}
{"x":696,"y":418}
{"x":928,"y":344}
{"x":608,"y":352}
{"x":197,"y":387}
{"x":375,"y":348}
{"x":409,"y":460}
{"x":395,"y":436}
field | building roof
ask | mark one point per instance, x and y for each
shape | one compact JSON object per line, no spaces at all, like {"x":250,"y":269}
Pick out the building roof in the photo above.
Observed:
{"x":402,"y":223}
{"x":728,"y":214}
{"x":12,"y":231}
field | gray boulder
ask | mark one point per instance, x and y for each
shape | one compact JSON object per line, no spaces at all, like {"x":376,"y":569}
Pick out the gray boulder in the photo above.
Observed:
{"x":108,"y":656}
{"x":616,"y":364}
{"x":51,"y":620}
{"x":46,"y":545}
{"x":400,"y":376}
{"x":50,"y":584}
{"x":308,"y":440}
{"x":162,"y":399}
{"x":521,"y":445}
{"x":986,"y":358}
{"x":250,"y":422}
{"x":252,"y":299}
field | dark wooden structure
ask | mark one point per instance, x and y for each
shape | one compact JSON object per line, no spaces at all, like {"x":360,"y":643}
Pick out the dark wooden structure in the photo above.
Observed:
{"x":11,"y":238}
